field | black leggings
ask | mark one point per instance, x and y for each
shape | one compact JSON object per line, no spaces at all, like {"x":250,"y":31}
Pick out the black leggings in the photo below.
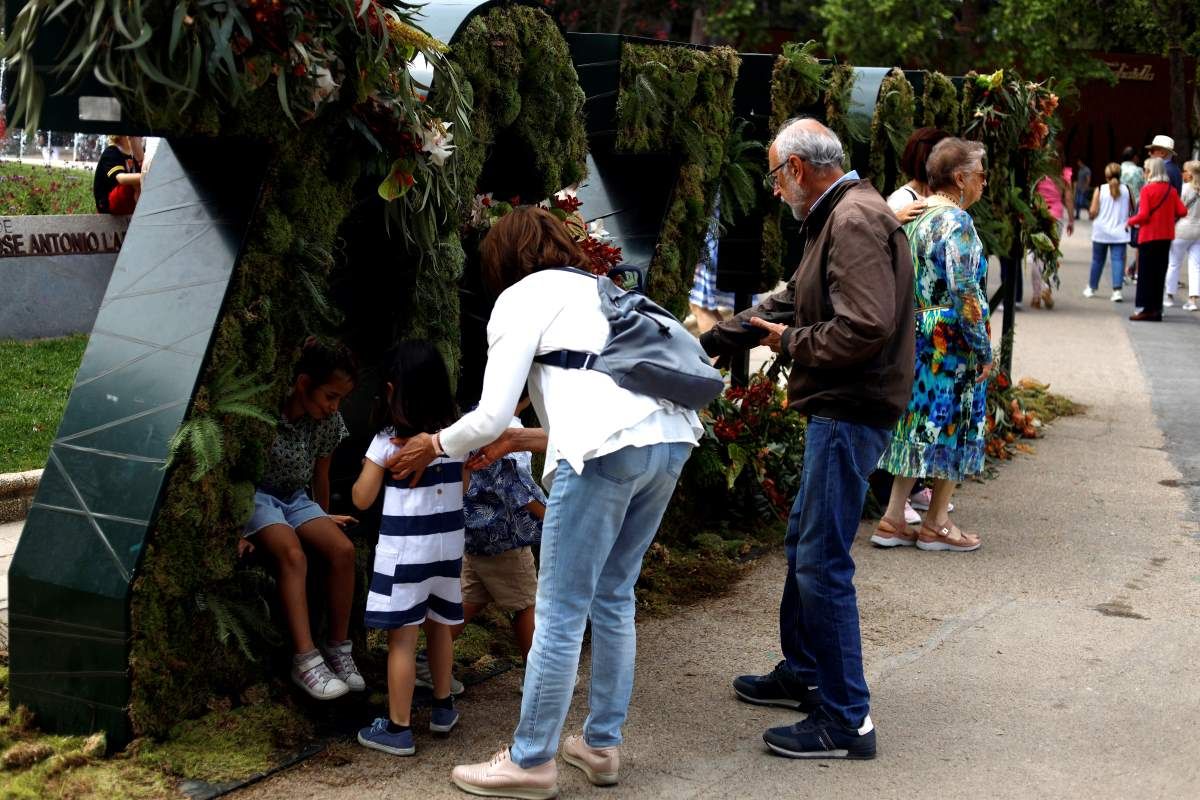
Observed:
{"x":1152,"y":274}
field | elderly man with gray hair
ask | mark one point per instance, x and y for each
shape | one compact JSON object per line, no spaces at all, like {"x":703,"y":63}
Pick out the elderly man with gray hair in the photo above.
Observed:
{"x":845,"y":320}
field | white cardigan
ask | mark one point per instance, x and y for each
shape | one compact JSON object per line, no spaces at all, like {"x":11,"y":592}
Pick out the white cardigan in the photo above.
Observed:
{"x":584,"y":412}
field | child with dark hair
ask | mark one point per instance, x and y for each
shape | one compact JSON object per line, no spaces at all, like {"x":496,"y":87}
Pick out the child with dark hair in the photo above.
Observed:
{"x":291,"y":526}
{"x":418,"y":560}
{"x":504,"y":511}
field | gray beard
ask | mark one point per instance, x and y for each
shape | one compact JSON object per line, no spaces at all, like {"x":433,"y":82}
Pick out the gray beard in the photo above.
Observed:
{"x":797,"y":211}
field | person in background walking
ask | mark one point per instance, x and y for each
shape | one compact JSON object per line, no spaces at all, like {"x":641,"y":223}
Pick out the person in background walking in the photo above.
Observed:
{"x":1159,"y":208}
{"x":1186,"y":246}
{"x":1164,"y":147}
{"x":941,"y":435}
{"x":1109,"y":211}
{"x":846,"y":321}
{"x":1134,"y":177}
{"x":1083,"y":185}
{"x":1053,"y":190}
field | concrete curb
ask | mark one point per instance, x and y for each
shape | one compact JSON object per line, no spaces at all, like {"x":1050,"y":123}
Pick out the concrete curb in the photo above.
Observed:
{"x":16,"y":494}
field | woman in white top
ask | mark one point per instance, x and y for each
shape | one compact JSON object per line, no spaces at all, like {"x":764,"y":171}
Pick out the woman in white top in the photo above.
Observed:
{"x":614,"y":458}
{"x":1109,"y":210}
{"x":1186,"y":245}
{"x":908,"y":202}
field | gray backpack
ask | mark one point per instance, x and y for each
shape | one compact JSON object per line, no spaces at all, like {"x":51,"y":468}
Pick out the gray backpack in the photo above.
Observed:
{"x":648,"y":351}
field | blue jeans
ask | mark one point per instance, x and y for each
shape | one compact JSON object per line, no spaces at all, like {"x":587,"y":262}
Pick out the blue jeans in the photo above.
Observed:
{"x":818,"y":616}
{"x":597,"y":528}
{"x":1116,"y":254}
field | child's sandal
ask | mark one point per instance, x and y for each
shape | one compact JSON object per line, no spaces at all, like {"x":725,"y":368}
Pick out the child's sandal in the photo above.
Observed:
{"x":947,"y":537}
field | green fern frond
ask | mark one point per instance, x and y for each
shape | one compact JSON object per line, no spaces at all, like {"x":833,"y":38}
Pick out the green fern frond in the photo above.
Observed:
{"x":241,"y":409}
{"x":207,"y":444}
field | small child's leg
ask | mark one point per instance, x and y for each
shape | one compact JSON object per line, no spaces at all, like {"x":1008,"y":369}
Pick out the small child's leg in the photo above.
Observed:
{"x":402,"y":646}
{"x":282,"y":544}
{"x":441,"y":657}
{"x":325,"y":538}
{"x":523,"y":630}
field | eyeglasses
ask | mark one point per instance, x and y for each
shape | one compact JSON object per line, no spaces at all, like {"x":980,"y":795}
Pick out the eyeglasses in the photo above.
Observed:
{"x":771,"y":179}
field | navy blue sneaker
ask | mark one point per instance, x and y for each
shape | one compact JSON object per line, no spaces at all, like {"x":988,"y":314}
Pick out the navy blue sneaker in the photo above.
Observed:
{"x":821,"y":736}
{"x":377,"y":737}
{"x":777,"y":688}
{"x":443,"y":720}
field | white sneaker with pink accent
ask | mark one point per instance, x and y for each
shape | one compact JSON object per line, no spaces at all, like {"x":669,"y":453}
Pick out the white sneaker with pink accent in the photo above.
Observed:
{"x":314,"y":676}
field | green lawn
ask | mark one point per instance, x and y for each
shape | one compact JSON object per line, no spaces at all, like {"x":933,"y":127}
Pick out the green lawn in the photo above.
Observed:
{"x":35,"y":379}
{"x":35,"y":189}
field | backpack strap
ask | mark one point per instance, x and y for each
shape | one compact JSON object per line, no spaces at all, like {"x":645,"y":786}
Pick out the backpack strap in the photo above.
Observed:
{"x":567,"y":359}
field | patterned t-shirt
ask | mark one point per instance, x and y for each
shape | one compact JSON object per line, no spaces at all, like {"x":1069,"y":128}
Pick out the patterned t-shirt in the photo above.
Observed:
{"x":297,"y":445}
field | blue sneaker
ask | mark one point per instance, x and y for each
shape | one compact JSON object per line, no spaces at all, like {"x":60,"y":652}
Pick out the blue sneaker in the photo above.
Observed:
{"x":777,"y":688}
{"x":443,"y":720}
{"x":377,"y":737}
{"x":820,"y":736}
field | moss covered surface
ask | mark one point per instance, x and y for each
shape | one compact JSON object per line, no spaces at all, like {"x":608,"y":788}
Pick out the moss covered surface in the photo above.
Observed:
{"x":309,"y":189}
{"x":839,"y":90}
{"x":528,"y":103}
{"x":225,"y":745}
{"x":678,"y":101}
{"x":798,"y":84}
{"x":940,"y":106}
{"x":891,"y":126}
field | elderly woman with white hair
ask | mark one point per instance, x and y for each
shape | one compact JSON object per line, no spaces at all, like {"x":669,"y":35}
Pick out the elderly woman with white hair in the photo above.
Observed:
{"x":941,"y":435}
{"x":1158,"y":208}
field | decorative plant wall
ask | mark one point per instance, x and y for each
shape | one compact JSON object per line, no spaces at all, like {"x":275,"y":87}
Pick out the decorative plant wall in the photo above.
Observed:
{"x":891,"y":126}
{"x":940,"y":106}
{"x":350,"y":119}
{"x":678,"y":101}
{"x":837,"y":108}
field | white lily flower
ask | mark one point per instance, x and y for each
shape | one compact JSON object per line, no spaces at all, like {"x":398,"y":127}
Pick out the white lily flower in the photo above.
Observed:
{"x":436,"y":141}
{"x":323,"y":85}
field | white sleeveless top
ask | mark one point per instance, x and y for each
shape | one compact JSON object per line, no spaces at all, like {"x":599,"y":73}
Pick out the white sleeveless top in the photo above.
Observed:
{"x":1109,"y":226}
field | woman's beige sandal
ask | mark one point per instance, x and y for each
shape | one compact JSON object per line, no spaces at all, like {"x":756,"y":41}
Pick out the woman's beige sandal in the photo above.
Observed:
{"x":892,"y":533}
{"x":947,"y":537}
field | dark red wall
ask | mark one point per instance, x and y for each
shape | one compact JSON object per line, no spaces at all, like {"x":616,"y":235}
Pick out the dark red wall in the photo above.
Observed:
{"x":1130,"y":112}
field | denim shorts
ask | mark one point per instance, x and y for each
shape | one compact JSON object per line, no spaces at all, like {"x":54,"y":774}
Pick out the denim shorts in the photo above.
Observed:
{"x":292,"y":511}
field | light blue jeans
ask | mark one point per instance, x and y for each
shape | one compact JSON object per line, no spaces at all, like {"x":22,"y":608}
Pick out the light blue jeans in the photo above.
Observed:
{"x":598,"y":526}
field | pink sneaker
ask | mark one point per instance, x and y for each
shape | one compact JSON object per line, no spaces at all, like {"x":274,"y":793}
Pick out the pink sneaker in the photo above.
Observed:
{"x":501,"y":777}
{"x":920,"y":501}
{"x":600,"y":764}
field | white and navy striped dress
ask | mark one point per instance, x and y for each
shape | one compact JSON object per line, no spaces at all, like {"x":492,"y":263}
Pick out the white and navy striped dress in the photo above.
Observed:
{"x":418,"y":560}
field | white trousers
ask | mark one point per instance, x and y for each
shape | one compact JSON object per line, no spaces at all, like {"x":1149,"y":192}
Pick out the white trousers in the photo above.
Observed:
{"x":1184,"y":250}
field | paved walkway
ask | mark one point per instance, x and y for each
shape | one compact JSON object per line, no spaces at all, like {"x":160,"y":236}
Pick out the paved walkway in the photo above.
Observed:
{"x":1058,"y":661}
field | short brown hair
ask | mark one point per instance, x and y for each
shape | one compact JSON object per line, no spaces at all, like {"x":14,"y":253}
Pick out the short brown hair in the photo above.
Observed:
{"x":916,"y":152}
{"x":949,"y":156}
{"x":524,"y":241}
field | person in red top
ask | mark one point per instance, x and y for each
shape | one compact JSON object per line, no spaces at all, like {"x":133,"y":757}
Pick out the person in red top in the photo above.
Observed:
{"x":1158,"y":208}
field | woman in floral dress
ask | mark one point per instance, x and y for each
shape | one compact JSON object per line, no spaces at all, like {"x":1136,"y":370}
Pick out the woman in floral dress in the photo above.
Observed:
{"x":941,"y":435}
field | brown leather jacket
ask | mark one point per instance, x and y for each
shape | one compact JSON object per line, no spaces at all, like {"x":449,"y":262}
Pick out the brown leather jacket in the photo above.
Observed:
{"x":849,"y":308}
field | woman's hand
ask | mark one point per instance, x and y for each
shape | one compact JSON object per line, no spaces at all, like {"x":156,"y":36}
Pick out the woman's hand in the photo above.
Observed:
{"x":985,"y":372}
{"x":911,"y":211}
{"x":343,"y":521}
{"x":489,"y":454}
{"x":415,"y":455}
{"x":244,"y":547}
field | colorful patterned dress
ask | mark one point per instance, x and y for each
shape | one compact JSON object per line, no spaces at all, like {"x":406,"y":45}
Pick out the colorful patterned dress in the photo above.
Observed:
{"x":942,"y":433}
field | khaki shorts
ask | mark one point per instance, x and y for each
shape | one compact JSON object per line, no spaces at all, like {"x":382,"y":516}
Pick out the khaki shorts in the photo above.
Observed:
{"x":509,"y":580}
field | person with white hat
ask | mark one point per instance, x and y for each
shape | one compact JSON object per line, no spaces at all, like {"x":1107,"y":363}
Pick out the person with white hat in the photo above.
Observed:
{"x":1164,"y":147}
